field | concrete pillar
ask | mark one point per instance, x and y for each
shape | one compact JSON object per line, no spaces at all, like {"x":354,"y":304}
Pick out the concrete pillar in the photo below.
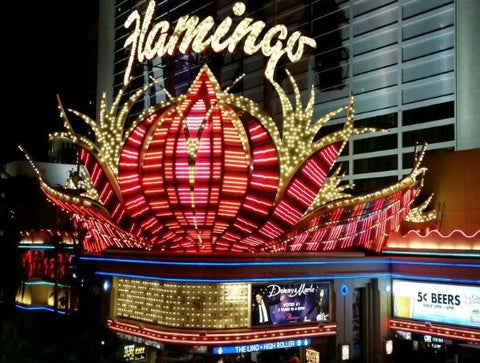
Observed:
{"x":468,"y":73}
{"x":381,"y":290}
{"x":343,"y":314}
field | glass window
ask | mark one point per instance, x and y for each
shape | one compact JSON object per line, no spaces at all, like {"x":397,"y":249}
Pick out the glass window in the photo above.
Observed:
{"x":428,"y":113}
{"x":430,"y":135}
{"x":326,"y":130}
{"x":375,"y":144}
{"x":371,"y":184}
{"x":382,"y":122}
{"x":380,"y":163}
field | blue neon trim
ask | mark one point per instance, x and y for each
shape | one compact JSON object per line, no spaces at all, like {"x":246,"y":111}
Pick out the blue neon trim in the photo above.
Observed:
{"x":42,"y":283}
{"x":45,"y":247}
{"x":275,"y":263}
{"x":424,"y":263}
{"x":288,"y":278}
{"x":37,"y":247}
{"x":230,"y":264}
{"x":45,"y":308}
{"x":29,"y":307}
{"x":248,"y":279}
{"x":424,"y":253}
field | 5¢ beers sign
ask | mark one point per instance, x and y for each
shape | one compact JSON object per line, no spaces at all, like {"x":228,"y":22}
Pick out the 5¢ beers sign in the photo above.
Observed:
{"x":438,"y":298}
{"x":442,"y":303}
{"x":149,"y":40}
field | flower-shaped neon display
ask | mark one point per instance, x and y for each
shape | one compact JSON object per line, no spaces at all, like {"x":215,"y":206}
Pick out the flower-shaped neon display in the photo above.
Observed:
{"x":210,"y":172}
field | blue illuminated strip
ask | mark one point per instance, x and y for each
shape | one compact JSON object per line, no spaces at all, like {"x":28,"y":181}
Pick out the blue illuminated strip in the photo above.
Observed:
{"x":230,"y":264}
{"x":45,"y":308}
{"x":449,"y":264}
{"x":248,"y":279}
{"x":425,"y":253}
{"x":258,"y":347}
{"x":42,"y":283}
{"x":45,"y":247}
{"x":37,"y":247}
{"x":275,"y":263}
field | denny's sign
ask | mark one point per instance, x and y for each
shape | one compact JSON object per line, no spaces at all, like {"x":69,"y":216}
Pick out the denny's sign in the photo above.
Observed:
{"x":150,"y":40}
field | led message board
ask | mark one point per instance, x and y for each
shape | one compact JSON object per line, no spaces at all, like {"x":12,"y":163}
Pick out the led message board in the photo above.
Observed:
{"x":259,"y":347}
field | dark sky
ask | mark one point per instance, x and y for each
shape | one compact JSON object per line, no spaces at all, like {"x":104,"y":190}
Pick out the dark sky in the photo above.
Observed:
{"x":54,"y":52}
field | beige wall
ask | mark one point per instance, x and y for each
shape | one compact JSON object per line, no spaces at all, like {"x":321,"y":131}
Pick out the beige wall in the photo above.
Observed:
{"x":454,"y":177}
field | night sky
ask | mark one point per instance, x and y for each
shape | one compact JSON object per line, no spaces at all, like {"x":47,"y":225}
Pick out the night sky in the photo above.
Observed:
{"x":54,"y":53}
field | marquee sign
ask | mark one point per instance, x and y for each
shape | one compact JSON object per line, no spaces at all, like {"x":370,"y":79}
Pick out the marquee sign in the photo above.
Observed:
{"x":148,"y":41}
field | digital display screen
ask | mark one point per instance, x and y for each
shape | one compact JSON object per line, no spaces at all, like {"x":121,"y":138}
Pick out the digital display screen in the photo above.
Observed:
{"x":287,"y":303}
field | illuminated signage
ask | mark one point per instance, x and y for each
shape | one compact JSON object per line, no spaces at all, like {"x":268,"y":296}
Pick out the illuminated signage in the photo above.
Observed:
{"x":211,"y":172}
{"x":148,"y":41}
{"x":389,"y":347}
{"x":140,"y":341}
{"x":206,"y":306}
{"x":290,"y":303}
{"x":452,"y":304}
{"x":46,"y":264}
{"x":345,"y":351}
{"x":258,"y":347}
{"x":133,"y":352}
{"x":427,"y":338}
{"x":432,"y":339}
{"x":312,"y":356}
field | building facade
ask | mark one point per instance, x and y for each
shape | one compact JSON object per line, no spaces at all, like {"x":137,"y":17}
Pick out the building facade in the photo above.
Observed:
{"x":205,"y":307}
{"x":411,"y":65}
{"x":214,"y":217}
